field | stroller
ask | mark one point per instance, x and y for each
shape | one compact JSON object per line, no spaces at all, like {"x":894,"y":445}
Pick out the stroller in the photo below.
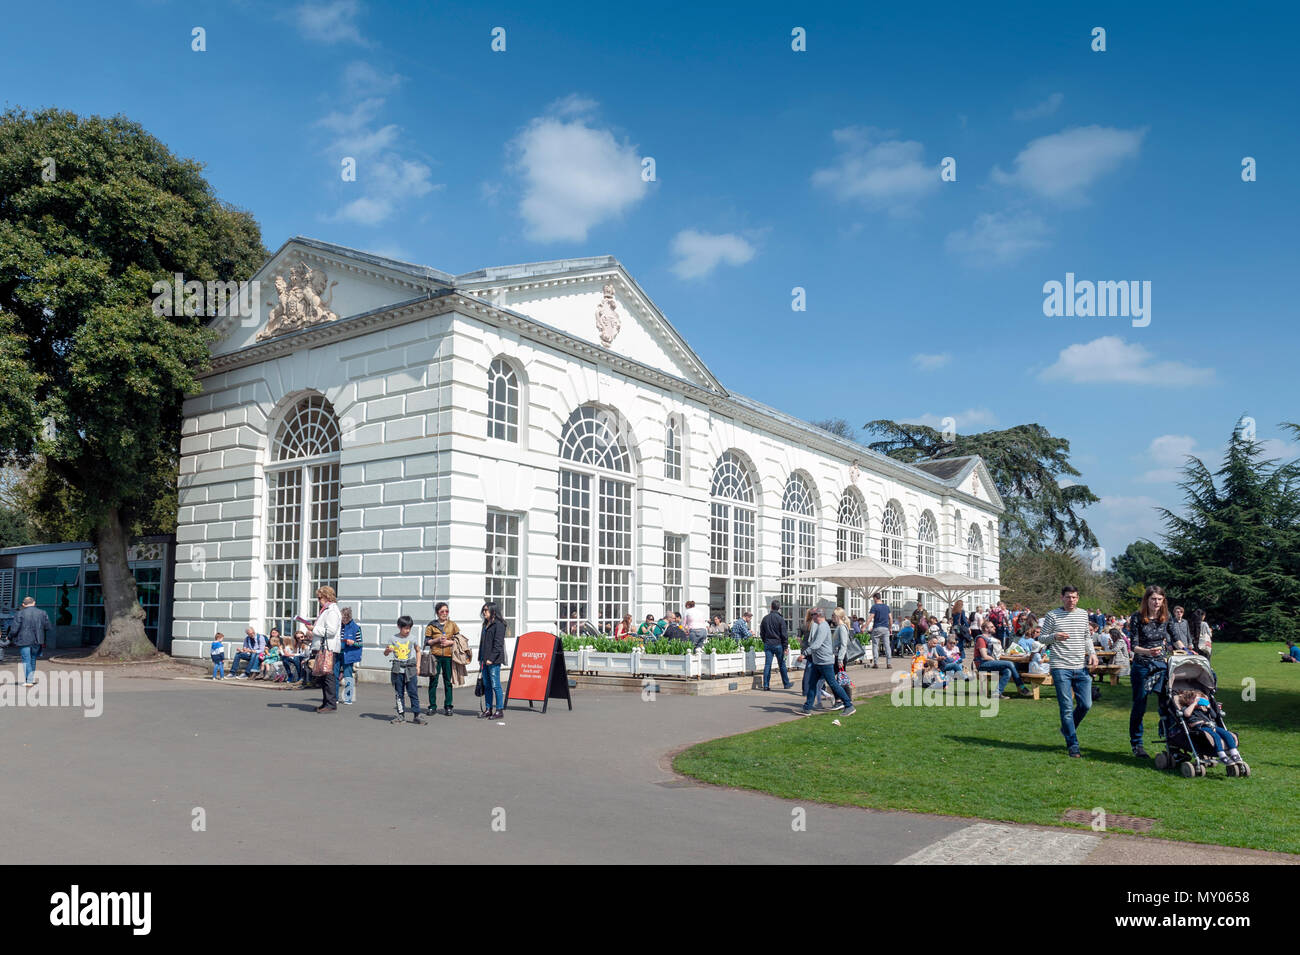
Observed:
{"x":1189,"y":752}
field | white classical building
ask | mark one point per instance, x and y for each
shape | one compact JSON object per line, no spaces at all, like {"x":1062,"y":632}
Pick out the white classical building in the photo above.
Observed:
{"x":535,"y":434}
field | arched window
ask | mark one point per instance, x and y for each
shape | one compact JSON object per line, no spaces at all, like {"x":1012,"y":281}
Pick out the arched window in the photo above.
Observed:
{"x":850,"y":542}
{"x":595,"y":521}
{"x":956,"y":529}
{"x":798,"y":548}
{"x":673,"y":449}
{"x":927,"y":536}
{"x":975,"y":553}
{"x":731,"y":535}
{"x":302,"y":520}
{"x":991,"y":537}
{"x":503,"y":401}
{"x":891,"y":535}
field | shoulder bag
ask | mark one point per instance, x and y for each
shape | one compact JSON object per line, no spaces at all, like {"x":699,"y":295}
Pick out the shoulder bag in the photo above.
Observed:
{"x":323,"y":662}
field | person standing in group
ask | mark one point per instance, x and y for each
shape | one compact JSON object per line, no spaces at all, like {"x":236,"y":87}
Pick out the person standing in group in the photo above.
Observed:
{"x":491,"y":656}
{"x":439,"y":644}
{"x":1068,"y":631}
{"x":882,"y":619}
{"x":325,"y":630}
{"x":1178,"y":627}
{"x":1152,"y":634}
{"x":697,"y":623}
{"x":1202,"y":637}
{"x":405,"y":651}
{"x":839,"y":624}
{"x":350,"y":635}
{"x":960,"y":624}
{"x":821,"y":660}
{"x":776,"y":641}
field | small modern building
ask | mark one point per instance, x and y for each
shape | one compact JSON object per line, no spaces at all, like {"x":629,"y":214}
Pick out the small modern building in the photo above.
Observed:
{"x":64,"y":581}
{"x":539,"y":435}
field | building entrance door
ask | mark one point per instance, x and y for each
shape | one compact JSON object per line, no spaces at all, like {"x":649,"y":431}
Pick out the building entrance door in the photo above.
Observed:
{"x":718,"y":596}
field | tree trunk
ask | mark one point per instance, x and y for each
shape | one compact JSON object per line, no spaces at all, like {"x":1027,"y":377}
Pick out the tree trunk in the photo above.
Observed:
{"x":124,"y":636}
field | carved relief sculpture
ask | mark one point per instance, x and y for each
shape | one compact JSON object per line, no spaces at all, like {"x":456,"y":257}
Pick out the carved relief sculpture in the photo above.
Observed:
{"x":608,"y":323}
{"x":854,"y":472}
{"x":303,"y":300}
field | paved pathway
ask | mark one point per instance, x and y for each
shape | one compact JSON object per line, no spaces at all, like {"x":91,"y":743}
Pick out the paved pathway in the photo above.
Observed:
{"x":591,"y":785}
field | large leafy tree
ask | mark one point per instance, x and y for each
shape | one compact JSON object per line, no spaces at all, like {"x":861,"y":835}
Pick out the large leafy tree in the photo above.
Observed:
{"x":1025,"y":462}
{"x":1235,"y":550}
{"x":93,"y":212}
{"x":1142,"y":563}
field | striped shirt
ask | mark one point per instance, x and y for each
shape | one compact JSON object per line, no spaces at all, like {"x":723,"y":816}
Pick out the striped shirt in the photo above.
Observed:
{"x":1067,"y":632}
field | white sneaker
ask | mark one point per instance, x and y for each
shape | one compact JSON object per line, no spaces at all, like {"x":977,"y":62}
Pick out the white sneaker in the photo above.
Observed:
{"x":838,"y":705}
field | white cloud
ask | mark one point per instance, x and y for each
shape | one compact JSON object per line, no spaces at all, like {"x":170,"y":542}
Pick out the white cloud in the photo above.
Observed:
{"x":362,"y":79}
{"x":386,"y":179}
{"x":1110,"y":360}
{"x":1046,"y":108}
{"x":1118,"y":521}
{"x":1169,"y":454}
{"x":969,"y":421}
{"x":1064,"y":164}
{"x":998,"y":238}
{"x":699,"y":253}
{"x":1280,"y":449}
{"x":330,"y":22}
{"x":575,"y":175}
{"x":930,"y":362}
{"x":878,"y":170}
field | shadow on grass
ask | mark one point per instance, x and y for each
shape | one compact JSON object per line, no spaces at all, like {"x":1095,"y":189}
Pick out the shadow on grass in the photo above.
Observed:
{"x":1092,"y":755}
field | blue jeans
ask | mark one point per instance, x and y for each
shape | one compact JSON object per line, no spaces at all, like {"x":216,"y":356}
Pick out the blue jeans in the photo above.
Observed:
{"x":1007,"y":671}
{"x":406,"y":681}
{"x":219,"y":668}
{"x":947,"y":668}
{"x":768,"y":654}
{"x":29,"y":661}
{"x":491,"y":686}
{"x":1138,"y":672}
{"x":824,"y":671}
{"x":1074,"y":697}
{"x":292,"y":668}
{"x":1223,"y":740}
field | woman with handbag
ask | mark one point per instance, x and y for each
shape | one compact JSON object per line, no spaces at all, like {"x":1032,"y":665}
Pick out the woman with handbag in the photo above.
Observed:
{"x":326,"y":642}
{"x":492,"y":655}
{"x":350,"y":635}
{"x":436,"y":661}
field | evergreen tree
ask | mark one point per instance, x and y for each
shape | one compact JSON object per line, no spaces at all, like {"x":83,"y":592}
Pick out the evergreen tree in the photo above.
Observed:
{"x":1024,"y":462}
{"x":1142,"y":563}
{"x":1236,"y":549}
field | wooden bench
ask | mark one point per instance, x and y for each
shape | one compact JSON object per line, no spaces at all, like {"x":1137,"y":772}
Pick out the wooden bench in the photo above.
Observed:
{"x":1037,"y":680}
{"x":1106,"y":670}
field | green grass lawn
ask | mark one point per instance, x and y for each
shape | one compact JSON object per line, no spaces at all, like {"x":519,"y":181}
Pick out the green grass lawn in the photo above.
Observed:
{"x":1013,"y":766}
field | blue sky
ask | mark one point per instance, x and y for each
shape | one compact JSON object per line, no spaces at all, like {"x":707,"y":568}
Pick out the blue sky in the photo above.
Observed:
{"x":775,"y":169}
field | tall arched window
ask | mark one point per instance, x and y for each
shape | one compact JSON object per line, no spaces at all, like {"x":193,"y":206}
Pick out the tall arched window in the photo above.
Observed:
{"x":302,"y":521}
{"x":798,"y":547}
{"x":975,"y":553}
{"x":850,"y":542}
{"x":891,"y":535}
{"x":673,"y":449}
{"x":503,"y":401}
{"x":595,"y":521}
{"x":956,"y":530}
{"x":731,"y":534}
{"x":992,"y":538}
{"x":927,"y":536}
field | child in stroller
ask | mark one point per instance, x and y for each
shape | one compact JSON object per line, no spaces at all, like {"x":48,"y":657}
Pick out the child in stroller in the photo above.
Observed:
{"x":1191,"y":721}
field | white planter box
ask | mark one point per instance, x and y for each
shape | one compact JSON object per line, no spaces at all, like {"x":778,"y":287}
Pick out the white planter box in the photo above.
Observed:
{"x":623,"y":664}
{"x":721,"y":664}
{"x":575,"y":660}
{"x":665,"y":664}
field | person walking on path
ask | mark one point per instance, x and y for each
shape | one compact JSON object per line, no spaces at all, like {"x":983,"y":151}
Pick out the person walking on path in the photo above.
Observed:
{"x":350,"y":635}
{"x":1068,"y":632}
{"x":28,"y":631}
{"x":776,"y":640}
{"x":882,"y":619}
{"x":1178,"y":626}
{"x":1152,"y":633}
{"x":325,"y":633}
{"x":821,"y":659}
{"x":491,"y":655}
{"x":439,"y":644}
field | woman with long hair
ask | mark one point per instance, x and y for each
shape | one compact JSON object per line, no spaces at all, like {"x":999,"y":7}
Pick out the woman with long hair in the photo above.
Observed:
{"x":960,"y":624}
{"x":1152,"y":634}
{"x":1202,"y":636}
{"x":491,"y":655}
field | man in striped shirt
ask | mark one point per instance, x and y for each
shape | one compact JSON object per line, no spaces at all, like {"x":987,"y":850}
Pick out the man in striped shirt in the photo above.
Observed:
{"x":1066,"y":631}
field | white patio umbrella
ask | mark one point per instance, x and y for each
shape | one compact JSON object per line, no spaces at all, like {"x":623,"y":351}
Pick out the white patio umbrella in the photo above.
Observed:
{"x":948,"y":585}
{"x":866,"y":575}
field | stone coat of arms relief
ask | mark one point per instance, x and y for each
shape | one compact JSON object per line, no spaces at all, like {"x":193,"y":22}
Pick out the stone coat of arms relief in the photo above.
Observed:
{"x":304,"y":299}
{"x":608,"y":324}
